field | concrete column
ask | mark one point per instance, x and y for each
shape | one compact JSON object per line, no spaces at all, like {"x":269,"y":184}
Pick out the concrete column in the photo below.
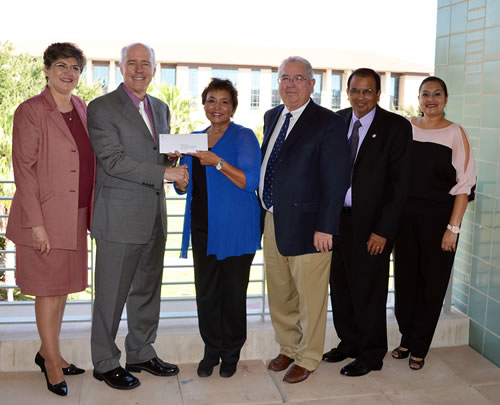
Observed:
{"x":385,"y":97}
{"x":112,"y":76}
{"x":244,"y":95}
{"x":344,"y":100}
{"x":265,"y":89}
{"x":157,"y":76}
{"x":88,"y":72}
{"x":402,"y":93}
{"x":326,"y":95}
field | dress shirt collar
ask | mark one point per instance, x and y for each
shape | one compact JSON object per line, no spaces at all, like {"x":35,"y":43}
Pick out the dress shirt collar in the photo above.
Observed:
{"x":295,"y":113}
{"x":365,"y":120}
{"x":136,"y":100}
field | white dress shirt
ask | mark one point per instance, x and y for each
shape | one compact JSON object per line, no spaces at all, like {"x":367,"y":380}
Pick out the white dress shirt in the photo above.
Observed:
{"x":294,"y":118}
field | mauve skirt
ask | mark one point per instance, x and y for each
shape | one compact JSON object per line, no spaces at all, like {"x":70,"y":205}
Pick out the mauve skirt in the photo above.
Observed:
{"x":61,"y":272}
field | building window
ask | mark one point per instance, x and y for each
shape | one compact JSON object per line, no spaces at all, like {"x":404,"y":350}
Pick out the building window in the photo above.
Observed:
{"x":336,"y":90}
{"x":275,"y":95}
{"x":229,"y":74}
{"x":255,"y":91}
{"x":168,"y":75}
{"x":316,"y":96}
{"x":100,"y":74}
{"x":119,"y":77}
{"x":394,"y":101}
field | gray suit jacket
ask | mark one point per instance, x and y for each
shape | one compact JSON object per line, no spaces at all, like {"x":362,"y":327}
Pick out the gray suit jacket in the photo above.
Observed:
{"x":129,"y":185}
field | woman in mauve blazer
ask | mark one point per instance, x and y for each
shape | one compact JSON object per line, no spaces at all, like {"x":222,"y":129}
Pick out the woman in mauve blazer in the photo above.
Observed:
{"x":54,"y":168}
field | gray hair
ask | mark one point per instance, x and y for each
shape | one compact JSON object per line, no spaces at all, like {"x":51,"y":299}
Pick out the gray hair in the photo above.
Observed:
{"x":299,"y":59}
{"x":125,"y":49}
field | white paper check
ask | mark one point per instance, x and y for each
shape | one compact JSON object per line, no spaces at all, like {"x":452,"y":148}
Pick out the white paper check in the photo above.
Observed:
{"x":184,"y":143}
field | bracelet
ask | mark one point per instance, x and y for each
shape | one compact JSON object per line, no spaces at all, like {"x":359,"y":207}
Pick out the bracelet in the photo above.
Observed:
{"x":453,"y":228}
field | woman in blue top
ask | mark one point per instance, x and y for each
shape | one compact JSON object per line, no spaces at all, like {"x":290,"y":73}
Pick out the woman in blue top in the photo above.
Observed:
{"x":223,"y":218}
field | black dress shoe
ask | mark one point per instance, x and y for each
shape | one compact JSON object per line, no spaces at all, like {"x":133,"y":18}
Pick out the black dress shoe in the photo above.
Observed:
{"x":227,"y":369}
{"x":334,"y":356}
{"x":356,"y":369}
{"x":118,"y":378}
{"x":71,"y":370}
{"x":155,"y":366}
{"x":206,"y":368}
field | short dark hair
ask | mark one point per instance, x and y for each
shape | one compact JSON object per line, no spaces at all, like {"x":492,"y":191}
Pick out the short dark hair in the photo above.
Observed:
{"x":60,"y":50}
{"x":365,"y":72}
{"x":221,"y":84}
{"x":434,"y":79}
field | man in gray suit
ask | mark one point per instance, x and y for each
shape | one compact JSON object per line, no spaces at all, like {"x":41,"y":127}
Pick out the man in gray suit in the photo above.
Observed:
{"x":129,"y":220}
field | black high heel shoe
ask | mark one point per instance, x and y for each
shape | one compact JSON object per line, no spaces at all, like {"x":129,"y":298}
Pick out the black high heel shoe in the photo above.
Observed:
{"x":71,"y":370}
{"x":59,"y":388}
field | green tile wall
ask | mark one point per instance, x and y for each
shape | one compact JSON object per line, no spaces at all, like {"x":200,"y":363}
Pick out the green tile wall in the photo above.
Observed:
{"x":468,"y":59}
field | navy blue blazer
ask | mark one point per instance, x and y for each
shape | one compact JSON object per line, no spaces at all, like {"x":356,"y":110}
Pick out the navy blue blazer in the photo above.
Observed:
{"x":311,"y":177}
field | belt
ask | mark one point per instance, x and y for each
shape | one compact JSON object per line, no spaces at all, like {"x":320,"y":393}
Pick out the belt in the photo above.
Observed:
{"x":347,"y":210}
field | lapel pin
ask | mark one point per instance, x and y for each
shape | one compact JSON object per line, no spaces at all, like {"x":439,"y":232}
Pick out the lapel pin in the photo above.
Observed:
{"x":374,"y":136}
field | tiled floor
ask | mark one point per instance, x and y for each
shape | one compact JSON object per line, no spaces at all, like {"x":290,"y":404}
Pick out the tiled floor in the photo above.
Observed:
{"x":455,"y":375}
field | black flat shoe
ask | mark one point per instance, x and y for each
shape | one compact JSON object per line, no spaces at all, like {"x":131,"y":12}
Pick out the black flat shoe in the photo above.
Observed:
{"x":399,"y":354}
{"x":334,"y":356}
{"x":154,"y":366}
{"x":417,"y":364}
{"x":118,"y":378}
{"x":59,"y":388}
{"x":71,"y":370}
{"x":205,"y":368}
{"x":227,"y":369}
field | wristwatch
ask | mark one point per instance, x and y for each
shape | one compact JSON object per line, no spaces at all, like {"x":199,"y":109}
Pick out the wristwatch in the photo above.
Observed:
{"x":453,"y":228}
{"x":218,"y":166}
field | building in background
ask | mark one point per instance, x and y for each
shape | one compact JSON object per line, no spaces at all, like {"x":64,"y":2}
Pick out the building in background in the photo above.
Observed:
{"x":254,"y":71}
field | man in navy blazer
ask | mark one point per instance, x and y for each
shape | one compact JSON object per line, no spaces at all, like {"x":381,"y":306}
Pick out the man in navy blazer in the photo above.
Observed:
{"x":380,"y":142}
{"x":304,"y":177}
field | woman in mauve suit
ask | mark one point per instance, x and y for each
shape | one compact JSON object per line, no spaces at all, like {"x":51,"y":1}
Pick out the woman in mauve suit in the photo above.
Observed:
{"x":54,"y":167}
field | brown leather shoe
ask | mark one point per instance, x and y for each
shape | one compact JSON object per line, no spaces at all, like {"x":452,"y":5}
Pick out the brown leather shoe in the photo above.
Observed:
{"x":279,"y":363}
{"x":296,"y":374}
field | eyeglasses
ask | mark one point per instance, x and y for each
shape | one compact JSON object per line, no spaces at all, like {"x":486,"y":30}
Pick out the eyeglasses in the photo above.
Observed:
{"x":61,"y":66}
{"x":364,"y":92}
{"x":288,"y":79}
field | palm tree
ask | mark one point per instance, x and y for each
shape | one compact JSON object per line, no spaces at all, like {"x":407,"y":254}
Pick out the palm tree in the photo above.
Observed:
{"x":180,"y":106}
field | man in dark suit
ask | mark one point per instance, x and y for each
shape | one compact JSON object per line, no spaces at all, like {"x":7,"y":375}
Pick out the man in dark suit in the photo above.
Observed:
{"x":304,"y":177}
{"x":129,"y":220}
{"x":380,"y":149}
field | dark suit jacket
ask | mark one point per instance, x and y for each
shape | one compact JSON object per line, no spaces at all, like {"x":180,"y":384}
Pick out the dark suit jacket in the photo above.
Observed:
{"x":381,"y":174}
{"x":130,"y":168}
{"x":311,"y":177}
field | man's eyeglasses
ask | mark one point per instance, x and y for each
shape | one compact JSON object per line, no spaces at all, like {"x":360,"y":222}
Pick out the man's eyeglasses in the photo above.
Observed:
{"x":288,"y":79}
{"x":364,"y":92}
{"x":73,"y":68}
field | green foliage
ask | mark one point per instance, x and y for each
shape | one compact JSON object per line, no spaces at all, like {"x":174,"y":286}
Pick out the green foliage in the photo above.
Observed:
{"x":259,"y":133}
{"x":22,"y":77}
{"x":180,"y":106}
{"x":88,"y":92}
{"x":407,"y":111}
